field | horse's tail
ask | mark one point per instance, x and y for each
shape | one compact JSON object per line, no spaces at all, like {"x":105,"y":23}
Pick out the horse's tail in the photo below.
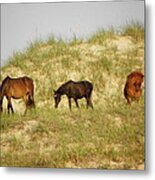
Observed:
{"x":3,"y":88}
{"x":30,"y":99}
{"x":89,"y":87}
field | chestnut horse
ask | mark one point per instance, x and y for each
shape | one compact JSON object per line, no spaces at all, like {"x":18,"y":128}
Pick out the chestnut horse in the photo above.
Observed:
{"x":75,"y":90}
{"x":132,"y":89}
{"x":17,"y":88}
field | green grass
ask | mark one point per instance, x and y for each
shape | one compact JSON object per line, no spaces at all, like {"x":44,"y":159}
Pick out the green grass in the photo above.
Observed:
{"x":63,"y":138}
{"x":135,"y":30}
{"x":102,"y":35}
{"x":111,"y":136}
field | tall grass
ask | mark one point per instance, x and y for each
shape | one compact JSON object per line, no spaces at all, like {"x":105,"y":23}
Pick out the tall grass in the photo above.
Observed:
{"x":111,"y":136}
{"x":102,"y":35}
{"x":135,"y":30}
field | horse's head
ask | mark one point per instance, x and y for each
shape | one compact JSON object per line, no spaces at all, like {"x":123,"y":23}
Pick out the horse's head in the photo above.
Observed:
{"x":57,"y":98}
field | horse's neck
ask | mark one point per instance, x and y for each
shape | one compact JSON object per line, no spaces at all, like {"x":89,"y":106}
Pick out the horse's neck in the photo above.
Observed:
{"x":62,"y":90}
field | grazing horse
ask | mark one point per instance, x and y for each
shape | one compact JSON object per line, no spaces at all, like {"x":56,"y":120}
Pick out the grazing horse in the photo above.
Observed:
{"x":132,"y":89}
{"x":17,"y":88}
{"x":75,"y":90}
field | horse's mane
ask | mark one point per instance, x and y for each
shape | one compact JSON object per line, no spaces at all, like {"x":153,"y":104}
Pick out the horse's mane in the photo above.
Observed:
{"x":4,"y":81}
{"x":71,"y":81}
{"x":63,"y":85}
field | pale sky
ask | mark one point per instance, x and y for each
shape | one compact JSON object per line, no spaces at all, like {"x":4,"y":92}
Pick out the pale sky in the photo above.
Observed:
{"x":24,"y":23}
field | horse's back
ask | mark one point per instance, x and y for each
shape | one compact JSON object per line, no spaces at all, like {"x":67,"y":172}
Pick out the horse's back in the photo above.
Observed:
{"x":82,"y":87}
{"x":22,"y":82}
{"x":135,"y":76}
{"x":88,"y":84}
{"x":28,"y":82}
{"x":17,"y":86}
{"x":134,"y":79}
{"x":83,"y":84}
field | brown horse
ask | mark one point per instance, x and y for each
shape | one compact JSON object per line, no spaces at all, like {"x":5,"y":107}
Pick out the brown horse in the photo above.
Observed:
{"x":17,"y":88}
{"x":75,"y":90}
{"x":132,"y":89}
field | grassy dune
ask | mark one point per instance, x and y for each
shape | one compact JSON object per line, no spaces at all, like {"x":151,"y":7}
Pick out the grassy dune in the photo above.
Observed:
{"x":109,"y":137}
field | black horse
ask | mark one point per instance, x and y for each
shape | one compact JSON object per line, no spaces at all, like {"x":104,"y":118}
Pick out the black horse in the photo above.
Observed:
{"x":75,"y":90}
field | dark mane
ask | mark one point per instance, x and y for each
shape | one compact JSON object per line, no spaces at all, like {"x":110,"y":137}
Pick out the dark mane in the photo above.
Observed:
{"x":70,"y":81}
{"x":62,"y":87}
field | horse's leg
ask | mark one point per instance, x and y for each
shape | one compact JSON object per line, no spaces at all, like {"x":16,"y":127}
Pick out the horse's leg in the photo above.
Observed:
{"x":90,"y":103}
{"x":128,"y":99}
{"x":26,"y":103}
{"x":10,"y":105}
{"x":25,"y":111}
{"x":1,"y":105}
{"x":32,"y":103}
{"x":29,"y":102}
{"x":87,"y":100}
{"x":69,"y":101}
{"x":76,"y":102}
{"x":138,"y":94}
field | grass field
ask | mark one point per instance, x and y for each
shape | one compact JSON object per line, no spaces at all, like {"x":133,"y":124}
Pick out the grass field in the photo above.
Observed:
{"x":111,"y":136}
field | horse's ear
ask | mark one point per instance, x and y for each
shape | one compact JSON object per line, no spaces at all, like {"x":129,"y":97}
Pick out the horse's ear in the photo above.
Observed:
{"x":54,"y":91}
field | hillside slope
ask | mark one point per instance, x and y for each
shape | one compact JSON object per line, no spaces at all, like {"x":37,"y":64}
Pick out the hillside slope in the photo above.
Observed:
{"x":110,"y":136}
{"x":106,"y":65}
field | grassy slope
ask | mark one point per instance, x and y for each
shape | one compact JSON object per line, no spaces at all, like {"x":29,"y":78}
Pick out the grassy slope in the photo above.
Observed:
{"x":111,"y":136}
